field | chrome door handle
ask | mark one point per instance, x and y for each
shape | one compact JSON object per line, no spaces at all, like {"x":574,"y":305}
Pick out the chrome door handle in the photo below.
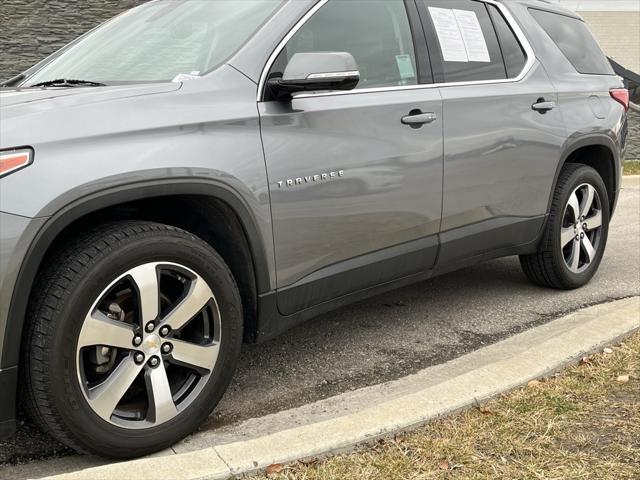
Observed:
{"x":543,"y":106}
{"x":416,"y":120}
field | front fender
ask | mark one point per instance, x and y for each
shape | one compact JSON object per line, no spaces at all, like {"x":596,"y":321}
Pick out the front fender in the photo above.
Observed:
{"x":61,"y":213}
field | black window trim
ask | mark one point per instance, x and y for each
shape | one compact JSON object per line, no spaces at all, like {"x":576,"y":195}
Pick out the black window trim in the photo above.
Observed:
{"x":502,"y":55}
{"x":420,"y":44}
{"x":521,"y":37}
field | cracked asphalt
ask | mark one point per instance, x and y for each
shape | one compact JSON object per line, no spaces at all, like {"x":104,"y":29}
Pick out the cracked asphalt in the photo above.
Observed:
{"x":398,"y":333}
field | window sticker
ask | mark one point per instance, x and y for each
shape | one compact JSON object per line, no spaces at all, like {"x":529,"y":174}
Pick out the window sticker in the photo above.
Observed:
{"x":460,"y":35}
{"x":472,"y":35}
{"x":449,"y":36}
{"x":405,"y":67}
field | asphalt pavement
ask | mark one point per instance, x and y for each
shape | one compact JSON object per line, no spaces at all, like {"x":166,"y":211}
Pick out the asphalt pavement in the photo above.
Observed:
{"x":400,"y":333}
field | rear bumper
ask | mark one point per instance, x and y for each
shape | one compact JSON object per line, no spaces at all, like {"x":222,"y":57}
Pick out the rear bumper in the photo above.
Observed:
{"x":624,"y":134}
{"x":8,"y":387}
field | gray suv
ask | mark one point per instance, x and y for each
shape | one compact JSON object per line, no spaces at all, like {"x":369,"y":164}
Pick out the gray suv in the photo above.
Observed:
{"x":191,"y":175}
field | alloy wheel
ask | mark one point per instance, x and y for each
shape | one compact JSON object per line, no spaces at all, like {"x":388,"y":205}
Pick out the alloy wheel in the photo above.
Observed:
{"x":148,"y":345}
{"x":580,"y":234}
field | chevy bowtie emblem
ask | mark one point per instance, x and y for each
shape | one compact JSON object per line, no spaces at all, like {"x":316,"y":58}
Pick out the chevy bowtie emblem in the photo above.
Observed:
{"x":316,"y":178}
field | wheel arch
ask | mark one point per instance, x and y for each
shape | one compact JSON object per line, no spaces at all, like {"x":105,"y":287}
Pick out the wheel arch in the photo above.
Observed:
{"x":218,"y":196}
{"x":598,"y":152}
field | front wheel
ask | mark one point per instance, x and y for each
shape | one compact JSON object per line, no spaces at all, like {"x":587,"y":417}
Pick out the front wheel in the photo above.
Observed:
{"x":576,"y":233}
{"x":134,"y":333}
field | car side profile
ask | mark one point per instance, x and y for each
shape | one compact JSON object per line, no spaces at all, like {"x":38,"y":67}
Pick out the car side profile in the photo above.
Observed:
{"x":193,"y":175}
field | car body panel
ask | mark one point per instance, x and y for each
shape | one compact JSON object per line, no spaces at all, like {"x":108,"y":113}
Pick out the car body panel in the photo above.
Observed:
{"x":207,"y":131}
{"x":121,"y":143}
{"x":24,"y":103}
{"x":500,"y":155}
{"x":388,"y":190}
{"x":17,"y":233}
{"x":590,"y":115}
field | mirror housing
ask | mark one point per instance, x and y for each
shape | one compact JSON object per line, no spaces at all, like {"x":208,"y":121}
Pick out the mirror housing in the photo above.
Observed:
{"x":316,"y":71}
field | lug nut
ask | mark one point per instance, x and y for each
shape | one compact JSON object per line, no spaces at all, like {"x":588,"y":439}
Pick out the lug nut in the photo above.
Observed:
{"x":138,"y":358}
{"x":137,"y":340}
{"x":154,"y":362}
{"x":585,"y":226}
{"x":150,"y":327}
{"x":164,"y":331}
{"x":166,"y":348}
{"x":582,"y":235}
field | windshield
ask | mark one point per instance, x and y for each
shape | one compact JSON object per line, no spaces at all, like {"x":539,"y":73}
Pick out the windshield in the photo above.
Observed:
{"x":159,"y":41}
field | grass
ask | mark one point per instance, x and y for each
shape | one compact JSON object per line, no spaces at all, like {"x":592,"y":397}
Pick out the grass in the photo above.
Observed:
{"x":631,"y":167}
{"x":581,"y":424}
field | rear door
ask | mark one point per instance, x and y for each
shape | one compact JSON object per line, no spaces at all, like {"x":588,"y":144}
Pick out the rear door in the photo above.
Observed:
{"x":356,"y":194}
{"x":503,"y":129}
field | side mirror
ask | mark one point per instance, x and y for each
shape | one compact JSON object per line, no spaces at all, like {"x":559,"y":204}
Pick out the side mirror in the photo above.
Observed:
{"x":316,"y":71}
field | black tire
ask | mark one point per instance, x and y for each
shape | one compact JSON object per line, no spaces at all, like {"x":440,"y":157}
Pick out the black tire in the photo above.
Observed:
{"x":67,"y":286}
{"x":547,"y":267}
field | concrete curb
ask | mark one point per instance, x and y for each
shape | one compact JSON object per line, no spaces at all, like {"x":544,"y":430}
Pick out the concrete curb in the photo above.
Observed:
{"x":489,"y":371}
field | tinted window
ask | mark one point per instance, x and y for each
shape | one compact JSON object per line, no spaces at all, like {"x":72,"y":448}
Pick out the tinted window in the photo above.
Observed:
{"x":376,"y":33}
{"x":575,"y":40}
{"x":512,"y":52}
{"x":462,"y":39}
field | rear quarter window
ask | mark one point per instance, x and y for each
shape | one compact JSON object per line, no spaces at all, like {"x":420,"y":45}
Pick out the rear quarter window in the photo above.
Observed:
{"x":575,"y":41}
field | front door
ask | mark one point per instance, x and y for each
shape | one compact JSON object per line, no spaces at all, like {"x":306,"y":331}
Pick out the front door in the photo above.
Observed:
{"x":356,"y":193}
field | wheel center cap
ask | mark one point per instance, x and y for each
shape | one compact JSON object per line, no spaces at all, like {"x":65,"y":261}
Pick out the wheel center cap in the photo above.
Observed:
{"x":151,"y":344}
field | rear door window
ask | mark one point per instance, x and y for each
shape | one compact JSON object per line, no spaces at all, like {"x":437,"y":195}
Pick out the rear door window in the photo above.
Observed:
{"x":462,"y":40}
{"x":575,"y":41}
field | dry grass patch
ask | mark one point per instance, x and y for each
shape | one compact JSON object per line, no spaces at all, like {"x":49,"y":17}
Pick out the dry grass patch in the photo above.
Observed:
{"x":631,"y":167}
{"x":581,"y":424}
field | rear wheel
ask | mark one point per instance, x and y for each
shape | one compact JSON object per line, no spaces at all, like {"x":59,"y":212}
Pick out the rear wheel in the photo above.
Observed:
{"x":135,"y":331}
{"x":576,"y":233}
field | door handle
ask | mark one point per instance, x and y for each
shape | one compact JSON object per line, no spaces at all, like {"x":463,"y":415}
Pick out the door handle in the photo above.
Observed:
{"x":417,"y":119}
{"x":543,"y":106}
